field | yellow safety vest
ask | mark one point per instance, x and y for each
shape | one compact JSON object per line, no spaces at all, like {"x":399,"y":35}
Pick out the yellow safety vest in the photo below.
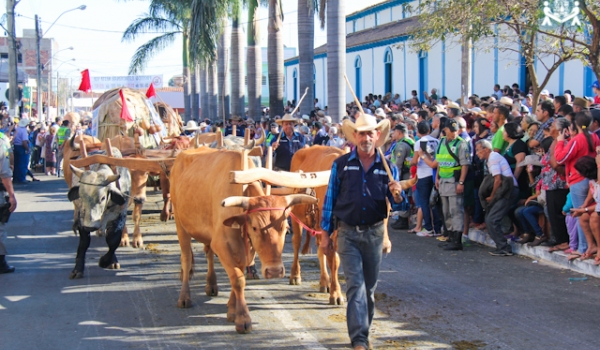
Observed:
{"x":60,"y":135}
{"x":447,"y":163}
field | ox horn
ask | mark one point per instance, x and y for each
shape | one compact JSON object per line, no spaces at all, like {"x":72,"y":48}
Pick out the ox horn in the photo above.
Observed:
{"x":262,"y":137}
{"x":111,"y":179}
{"x":236,"y":201}
{"x":219,"y":138}
{"x":295,"y":199}
{"x":78,"y":172}
{"x":406,"y":184}
{"x":196,"y":143}
{"x":250,"y":145}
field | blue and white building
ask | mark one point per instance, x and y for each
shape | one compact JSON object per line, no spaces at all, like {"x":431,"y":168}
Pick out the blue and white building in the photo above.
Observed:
{"x":379,"y":60}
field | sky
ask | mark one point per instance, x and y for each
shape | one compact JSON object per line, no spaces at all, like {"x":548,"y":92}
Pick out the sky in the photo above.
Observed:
{"x":95,"y":33}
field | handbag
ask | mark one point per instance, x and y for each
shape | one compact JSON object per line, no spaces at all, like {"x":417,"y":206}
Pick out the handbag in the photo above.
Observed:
{"x":434,"y":197}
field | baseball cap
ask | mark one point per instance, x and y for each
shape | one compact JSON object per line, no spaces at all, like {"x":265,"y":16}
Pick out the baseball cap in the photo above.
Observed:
{"x":545,"y":92}
{"x":596,"y":84}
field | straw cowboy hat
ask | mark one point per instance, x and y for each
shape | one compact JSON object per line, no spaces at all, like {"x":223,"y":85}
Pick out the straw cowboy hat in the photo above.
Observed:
{"x":366,"y":122}
{"x":452,"y":104}
{"x":191,"y":126}
{"x":287,"y":118}
{"x":507,"y":101}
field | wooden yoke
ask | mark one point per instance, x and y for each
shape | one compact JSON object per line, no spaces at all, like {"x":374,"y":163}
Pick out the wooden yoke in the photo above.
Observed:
{"x":282,"y":178}
{"x":234,"y":130}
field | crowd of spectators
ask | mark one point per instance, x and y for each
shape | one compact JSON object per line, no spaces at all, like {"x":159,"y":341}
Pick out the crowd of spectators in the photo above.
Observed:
{"x":530,"y":170}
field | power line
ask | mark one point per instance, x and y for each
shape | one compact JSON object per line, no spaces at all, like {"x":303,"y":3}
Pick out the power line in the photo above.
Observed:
{"x":91,"y":29}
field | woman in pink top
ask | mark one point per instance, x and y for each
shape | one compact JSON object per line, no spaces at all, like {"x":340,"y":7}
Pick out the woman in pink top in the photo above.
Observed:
{"x":582,"y":143}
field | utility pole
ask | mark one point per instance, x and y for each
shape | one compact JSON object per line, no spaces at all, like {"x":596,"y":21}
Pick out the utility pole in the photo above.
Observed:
{"x":12,"y":59}
{"x":38,"y":39}
{"x":466,"y":71}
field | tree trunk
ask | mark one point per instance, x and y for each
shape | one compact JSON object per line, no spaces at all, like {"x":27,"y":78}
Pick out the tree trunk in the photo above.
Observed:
{"x":306,"y":45}
{"x":223,"y":71}
{"x":205,"y":113}
{"x":186,"y":80}
{"x":195,"y":93}
{"x":212,"y":91}
{"x":237,"y":66}
{"x":275,"y":59}
{"x":336,"y":59}
{"x":465,"y":70}
{"x":254,"y":64}
{"x":12,"y":59}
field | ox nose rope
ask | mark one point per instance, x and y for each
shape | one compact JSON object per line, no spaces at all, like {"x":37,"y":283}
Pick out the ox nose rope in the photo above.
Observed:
{"x":246,"y":235}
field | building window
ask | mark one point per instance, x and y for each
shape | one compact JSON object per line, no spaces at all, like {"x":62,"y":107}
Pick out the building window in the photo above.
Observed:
{"x":353,"y":26}
{"x":19,"y":56}
{"x":358,"y":76}
{"x":295,"y":81}
{"x":376,"y":19}
{"x":388,"y":71}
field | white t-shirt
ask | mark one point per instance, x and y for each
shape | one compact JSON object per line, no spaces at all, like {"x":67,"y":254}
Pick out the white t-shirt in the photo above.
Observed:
{"x":497,"y":165}
{"x":424,"y":170}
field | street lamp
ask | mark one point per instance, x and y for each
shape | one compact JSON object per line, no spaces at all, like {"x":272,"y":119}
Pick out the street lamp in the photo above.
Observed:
{"x":50,"y":83}
{"x":39,"y":36}
{"x":58,"y":85}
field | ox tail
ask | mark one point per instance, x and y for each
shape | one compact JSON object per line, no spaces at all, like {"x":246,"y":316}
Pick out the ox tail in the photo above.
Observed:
{"x":306,"y":246}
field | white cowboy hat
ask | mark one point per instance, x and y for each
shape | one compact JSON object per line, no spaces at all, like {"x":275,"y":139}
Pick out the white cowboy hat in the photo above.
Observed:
{"x":287,"y":118}
{"x":452,"y":104}
{"x":380,"y":113}
{"x":191,"y":126}
{"x":366,"y":123}
{"x":23,"y":122}
{"x":507,"y":101}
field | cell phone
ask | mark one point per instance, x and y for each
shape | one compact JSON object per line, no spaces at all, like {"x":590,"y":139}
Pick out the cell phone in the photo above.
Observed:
{"x":424,"y":147}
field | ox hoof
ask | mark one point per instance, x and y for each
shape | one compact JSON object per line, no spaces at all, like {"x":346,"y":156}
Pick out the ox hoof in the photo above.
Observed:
{"x":243,"y":328}
{"x":76,"y":275}
{"x":211,"y":291}
{"x":336,"y":301}
{"x":323,"y":289}
{"x":109,"y":263}
{"x":138,"y":243}
{"x":295,"y":281}
{"x":184,"y":304}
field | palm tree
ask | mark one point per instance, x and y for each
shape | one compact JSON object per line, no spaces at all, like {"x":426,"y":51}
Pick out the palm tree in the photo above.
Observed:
{"x":336,"y":59}
{"x":195,"y":94}
{"x":171,"y":18}
{"x":254,"y":62}
{"x":223,"y":70}
{"x":275,"y":58}
{"x":212,"y":90}
{"x":237,"y":61}
{"x":204,"y":91}
{"x":306,"y":47}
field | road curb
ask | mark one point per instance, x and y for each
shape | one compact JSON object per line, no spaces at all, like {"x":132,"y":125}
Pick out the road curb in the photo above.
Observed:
{"x":558,"y":259}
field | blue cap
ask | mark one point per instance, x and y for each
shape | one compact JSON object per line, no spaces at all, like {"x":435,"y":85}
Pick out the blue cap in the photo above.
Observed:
{"x":596,"y":85}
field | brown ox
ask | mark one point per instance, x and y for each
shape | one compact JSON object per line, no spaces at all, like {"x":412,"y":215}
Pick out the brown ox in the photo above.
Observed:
{"x":313,"y":159}
{"x":200,"y":189}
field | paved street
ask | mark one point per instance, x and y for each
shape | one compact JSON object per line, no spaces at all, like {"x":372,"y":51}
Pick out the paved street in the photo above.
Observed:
{"x":427,"y":298}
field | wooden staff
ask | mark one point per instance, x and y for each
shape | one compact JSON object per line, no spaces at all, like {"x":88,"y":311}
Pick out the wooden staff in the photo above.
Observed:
{"x":387,"y":169}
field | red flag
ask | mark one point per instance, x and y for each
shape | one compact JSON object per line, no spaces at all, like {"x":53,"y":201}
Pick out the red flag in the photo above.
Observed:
{"x":151,"y":92}
{"x":124,"y":110}
{"x":86,"y":84}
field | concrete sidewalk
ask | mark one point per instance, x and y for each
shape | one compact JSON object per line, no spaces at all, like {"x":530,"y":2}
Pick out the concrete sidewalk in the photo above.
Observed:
{"x":541,"y":254}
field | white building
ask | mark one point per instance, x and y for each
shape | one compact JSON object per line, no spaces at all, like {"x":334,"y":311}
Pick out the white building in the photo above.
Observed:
{"x":379,"y":60}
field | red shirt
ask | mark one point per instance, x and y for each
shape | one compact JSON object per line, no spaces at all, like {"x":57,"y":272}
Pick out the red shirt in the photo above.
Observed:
{"x":568,"y":153}
{"x":597,"y":99}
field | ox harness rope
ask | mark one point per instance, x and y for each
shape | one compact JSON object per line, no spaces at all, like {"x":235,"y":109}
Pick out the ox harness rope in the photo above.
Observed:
{"x":246,"y":235}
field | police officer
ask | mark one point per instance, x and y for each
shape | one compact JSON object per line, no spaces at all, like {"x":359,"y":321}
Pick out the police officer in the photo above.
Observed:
{"x":453,"y":162}
{"x":62,"y":135}
{"x":6,"y":190}
{"x":288,"y":142}
{"x":402,"y":153}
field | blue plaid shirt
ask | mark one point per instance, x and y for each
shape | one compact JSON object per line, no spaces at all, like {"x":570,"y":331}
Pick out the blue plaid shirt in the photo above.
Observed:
{"x":336,"y":187}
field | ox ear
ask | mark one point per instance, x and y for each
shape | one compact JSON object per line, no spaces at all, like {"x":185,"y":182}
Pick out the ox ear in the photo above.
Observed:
{"x":73,"y":193}
{"x":235,"y":221}
{"x":78,"y":172}
{"x":116,"y":196}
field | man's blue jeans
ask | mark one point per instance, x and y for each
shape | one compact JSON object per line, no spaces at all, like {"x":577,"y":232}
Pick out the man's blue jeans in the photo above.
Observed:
{"x":579,"y":192}
{"x":528,"y":217}
{"x":360,"y":256}
{"x":424,"y":187}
